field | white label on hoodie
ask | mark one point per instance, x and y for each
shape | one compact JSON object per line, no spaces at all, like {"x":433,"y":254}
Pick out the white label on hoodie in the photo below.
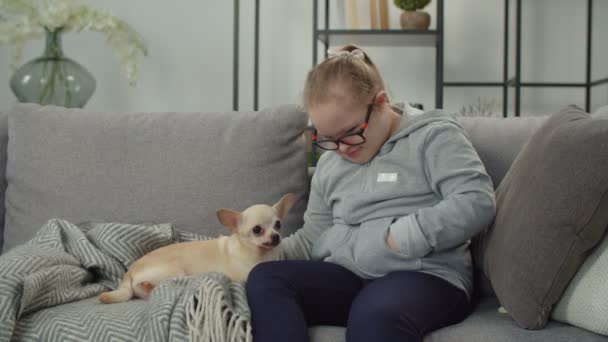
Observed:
{"x":387,"y":177}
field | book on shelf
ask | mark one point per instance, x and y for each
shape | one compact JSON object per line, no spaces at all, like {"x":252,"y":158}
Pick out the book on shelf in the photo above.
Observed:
{"x":373,"y":14}
{"x":377,"y":11}
{"x":384,"y":14}
{"x":351,"y":12}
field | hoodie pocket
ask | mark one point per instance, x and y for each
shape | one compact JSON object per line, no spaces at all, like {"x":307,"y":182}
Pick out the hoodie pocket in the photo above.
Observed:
{"x":331,"y":240}
{"x":372,"y":254}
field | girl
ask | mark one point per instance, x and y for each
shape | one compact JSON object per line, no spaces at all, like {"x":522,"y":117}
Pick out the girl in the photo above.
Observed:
{"x":384,"y":250}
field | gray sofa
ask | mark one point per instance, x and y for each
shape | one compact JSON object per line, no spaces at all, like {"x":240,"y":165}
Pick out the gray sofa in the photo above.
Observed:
{"x":180,"y":167}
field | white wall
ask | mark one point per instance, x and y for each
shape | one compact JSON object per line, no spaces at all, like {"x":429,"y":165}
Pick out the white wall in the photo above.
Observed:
{"x":190,"y":63}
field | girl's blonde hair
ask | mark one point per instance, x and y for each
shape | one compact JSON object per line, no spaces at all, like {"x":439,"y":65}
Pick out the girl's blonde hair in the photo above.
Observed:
{"x":359,"y":74}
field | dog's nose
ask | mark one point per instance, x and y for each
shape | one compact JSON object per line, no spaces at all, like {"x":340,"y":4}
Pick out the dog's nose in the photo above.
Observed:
{"x":276,"y":238}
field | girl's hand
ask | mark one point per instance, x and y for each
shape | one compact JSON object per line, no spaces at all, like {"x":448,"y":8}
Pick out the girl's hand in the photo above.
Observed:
{"x":390,"y":241}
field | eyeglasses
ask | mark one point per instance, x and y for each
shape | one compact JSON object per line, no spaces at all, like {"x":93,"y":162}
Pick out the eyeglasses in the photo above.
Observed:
{"x":351,"y":139}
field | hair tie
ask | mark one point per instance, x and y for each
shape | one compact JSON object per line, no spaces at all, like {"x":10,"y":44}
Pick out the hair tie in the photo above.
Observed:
{"x":356,"y":53}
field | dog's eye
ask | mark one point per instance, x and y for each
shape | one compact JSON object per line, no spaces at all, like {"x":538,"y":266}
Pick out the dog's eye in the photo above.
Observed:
{"x":257,"y":230}
{"x":277,"y":225}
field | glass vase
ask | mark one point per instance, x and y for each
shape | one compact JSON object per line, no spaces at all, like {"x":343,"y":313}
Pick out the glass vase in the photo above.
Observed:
{"x":53,"y":79}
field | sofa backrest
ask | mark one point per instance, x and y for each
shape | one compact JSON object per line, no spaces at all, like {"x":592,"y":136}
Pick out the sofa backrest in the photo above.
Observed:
{"x":499,"y":140}
{"x":174,"y":167}
{"x":82,"y":165}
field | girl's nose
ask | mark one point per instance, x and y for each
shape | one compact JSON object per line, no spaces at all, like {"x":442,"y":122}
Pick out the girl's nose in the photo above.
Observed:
{"x":344,"y":148}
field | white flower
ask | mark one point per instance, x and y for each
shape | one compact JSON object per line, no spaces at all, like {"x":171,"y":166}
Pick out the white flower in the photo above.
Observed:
{"x":21,"y":20}
{"x":56,"y":13}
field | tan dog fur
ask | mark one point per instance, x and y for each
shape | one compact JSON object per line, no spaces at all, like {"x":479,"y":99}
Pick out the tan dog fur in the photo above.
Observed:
{"x":233,"y":255}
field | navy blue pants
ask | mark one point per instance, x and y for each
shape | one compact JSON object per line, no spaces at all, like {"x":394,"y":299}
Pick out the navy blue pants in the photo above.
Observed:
{"x":287,"y":296}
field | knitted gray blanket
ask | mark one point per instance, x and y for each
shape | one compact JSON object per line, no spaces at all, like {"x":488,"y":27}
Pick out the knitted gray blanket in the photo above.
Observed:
{"x":49,"y":284}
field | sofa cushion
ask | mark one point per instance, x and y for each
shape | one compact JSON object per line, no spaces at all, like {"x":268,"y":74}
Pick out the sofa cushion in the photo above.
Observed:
{"x":487,"y":324}
{"x":483,"y":325}
{"x":552,"y":209}
{"x":585,"y":301}
{"x":327,"y":333}
{"x":180,"y":168}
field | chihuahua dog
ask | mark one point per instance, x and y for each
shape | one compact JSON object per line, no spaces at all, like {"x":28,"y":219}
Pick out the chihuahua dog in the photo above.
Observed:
{"x":254,"y":236}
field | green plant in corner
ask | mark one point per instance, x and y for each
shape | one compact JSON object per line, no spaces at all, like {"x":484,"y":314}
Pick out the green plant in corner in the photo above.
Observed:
{"x":54,"y":78}
{"x":411,"y":5}
{"x":482,"y":107}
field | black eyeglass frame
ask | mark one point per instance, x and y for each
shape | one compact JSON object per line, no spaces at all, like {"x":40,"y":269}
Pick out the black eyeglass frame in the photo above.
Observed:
{"x":339,"y":141}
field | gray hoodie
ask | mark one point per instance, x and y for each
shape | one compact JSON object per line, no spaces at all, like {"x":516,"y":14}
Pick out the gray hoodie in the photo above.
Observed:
{"x":426,"y":184}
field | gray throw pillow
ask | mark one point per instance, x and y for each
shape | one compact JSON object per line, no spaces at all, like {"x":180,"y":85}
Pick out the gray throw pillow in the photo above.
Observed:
{"x":179,"y":168}
{"x":552,"y":209}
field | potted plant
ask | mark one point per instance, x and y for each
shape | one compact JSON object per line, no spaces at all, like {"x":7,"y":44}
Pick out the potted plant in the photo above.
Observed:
{"x":53,"y":78}
{"x":412,"y":17}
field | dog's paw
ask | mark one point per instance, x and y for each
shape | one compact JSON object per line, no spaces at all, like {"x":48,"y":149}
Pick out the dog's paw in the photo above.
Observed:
{"x":502,"y":310}
{"x":105,"y":298}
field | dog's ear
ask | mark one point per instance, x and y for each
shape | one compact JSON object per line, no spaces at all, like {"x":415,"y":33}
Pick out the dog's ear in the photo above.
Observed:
{"x":229,"y":218}
{"x":284,"y":204}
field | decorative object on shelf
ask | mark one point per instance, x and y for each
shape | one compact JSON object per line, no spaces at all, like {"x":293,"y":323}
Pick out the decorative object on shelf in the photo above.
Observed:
{"x":383,"y":14}
{"x":351,"y":9}
{"x":378,"y":12}
{"x":373,"y":14}
{"x":52,"y":78}
{"x":412,"y":17}
{"x":482,"y":107}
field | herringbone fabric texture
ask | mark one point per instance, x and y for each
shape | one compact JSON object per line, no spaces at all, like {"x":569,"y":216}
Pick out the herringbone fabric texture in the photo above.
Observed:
{"x":48,"y":289}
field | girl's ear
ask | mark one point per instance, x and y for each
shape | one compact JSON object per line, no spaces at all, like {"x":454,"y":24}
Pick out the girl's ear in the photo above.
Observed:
{"x":381,"y":98}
